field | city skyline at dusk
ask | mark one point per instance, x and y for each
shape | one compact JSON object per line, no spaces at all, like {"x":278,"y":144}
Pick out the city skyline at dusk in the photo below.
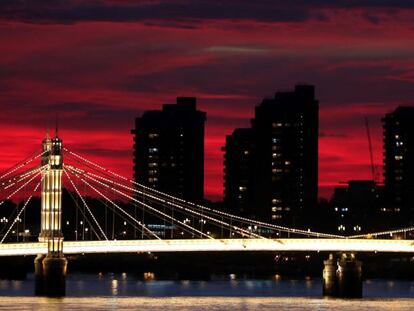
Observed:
{"x":98,"y":71}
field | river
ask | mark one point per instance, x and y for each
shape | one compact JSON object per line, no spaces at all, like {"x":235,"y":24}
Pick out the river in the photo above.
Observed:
{"x":125,"y":292}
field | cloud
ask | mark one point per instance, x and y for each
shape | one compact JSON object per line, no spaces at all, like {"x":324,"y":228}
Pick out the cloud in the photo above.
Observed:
{"x":99,"y":66}
{"x":186,"y":14}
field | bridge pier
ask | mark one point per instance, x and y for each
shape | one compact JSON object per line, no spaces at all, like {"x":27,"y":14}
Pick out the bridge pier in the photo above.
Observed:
{"x":50,"y":275}
{"x":342,"y":277}
{"x":38,"y":274}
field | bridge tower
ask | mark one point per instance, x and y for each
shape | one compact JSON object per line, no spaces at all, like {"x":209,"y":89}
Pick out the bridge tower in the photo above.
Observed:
{"x":50,"y":270}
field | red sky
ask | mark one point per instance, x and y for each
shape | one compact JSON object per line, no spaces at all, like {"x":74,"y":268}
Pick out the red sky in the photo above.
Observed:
{"x":98,"y":64}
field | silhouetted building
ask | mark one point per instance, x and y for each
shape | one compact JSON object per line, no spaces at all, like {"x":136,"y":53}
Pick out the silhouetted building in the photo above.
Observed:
{"x":169,"y":149}
{"x":283,"y":178}
{"x":357,"y":206}
{"x":238,"y":173}
{"x":399,"y":161}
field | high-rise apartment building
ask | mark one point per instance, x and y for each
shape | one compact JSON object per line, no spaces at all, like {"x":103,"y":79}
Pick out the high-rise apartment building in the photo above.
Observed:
{"x":283,"y":145}
{"x":398,"y":129}
{"x":169,"y":149}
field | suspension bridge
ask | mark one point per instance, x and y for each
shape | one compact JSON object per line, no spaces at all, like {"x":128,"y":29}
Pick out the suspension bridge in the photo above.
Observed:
{"x":177,"y":225}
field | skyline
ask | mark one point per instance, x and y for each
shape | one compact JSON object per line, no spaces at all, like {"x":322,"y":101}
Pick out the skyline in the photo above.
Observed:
{"x":99,"y":72}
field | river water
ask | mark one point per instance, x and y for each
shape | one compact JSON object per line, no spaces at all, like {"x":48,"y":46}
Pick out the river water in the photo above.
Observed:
{"x":125,"y":292}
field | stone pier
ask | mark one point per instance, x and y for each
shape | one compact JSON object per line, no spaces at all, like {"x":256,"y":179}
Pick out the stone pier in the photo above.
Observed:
{"x":342,"y":277}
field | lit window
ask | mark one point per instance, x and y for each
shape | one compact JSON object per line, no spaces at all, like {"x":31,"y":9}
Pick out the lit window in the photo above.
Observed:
{"x":153,"y":150}
{"x":152,"y":135}
{"x":241,"y":188}
{"x":398,"y":157}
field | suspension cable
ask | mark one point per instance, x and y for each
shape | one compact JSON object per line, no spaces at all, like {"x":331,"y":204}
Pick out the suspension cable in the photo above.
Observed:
{"x":85,"y":204}
{"x":251,"y":221}
{"x":20,"y":212}
{"x":147,"y":206}
{"x":187,"y":210}
{"x":116,"y":205}
{"x":19,"y":166}
{"x":21,"y":177}
{"x":20,"y":188}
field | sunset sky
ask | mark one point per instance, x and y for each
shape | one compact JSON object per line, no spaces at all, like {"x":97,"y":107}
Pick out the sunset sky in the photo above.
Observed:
{"x":98,"y":64}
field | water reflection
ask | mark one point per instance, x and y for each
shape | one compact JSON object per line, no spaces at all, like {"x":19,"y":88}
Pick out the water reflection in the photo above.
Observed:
{"x":127,"y":291}
{"x":114,"y":287}
{"x":204,"y":304}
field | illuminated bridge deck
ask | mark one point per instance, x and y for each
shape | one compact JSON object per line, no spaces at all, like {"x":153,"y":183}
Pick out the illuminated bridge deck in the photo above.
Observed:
{"x":210,"y":245}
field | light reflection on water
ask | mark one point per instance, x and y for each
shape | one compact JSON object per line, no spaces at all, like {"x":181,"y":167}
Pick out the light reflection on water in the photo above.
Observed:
{"x":124,"y":291}
{"x":203,"y":303}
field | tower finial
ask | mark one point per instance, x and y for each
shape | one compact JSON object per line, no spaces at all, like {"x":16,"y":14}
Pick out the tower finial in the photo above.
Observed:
{"x":57,"y":125}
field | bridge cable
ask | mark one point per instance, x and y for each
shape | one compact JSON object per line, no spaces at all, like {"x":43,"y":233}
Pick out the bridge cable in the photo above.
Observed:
{"x":114,"y":204}
{"x":85,"y":204}
{"x":23,"y":208}
{"x":186,"y":210}
{"x":256,"y":222}
{"x":20,"y":165}
{"x":145,"y":205}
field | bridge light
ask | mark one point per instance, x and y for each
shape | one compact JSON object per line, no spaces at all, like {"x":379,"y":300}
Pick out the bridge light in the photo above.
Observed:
{"x":86,"y":229}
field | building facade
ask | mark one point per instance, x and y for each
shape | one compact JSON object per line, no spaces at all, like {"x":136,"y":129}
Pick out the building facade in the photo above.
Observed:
{"x":238,"y":173}
{"x":169,"y":149}
{"x":398,"y":128}
{"x":283,"y":177}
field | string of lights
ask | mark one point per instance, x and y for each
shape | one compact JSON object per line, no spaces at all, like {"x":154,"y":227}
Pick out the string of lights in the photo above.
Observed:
{"x":16,"y":219}
{"x":116,"y":205}
{"x":151,"y":208}
{"x":242,"y":231}
{"x":21,"y":165}
{"x":18,"y":189}
{"x":19,"y":178}
{"x":85,"y":204}
{"x":204,"y":208}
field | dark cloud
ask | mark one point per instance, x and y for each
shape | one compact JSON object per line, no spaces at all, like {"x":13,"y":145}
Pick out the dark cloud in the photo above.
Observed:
{"x":184,"y":13}
{"x":46,"y":11}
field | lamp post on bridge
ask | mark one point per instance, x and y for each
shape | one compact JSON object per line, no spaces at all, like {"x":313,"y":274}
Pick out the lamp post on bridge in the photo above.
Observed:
{"x":50,"y":270}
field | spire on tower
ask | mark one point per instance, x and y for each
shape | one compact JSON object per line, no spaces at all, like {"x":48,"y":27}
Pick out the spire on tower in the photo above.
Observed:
{"x":57,"y":126}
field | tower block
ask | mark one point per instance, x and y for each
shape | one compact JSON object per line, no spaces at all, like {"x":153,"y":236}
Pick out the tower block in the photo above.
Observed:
{"x":50,"y":271}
